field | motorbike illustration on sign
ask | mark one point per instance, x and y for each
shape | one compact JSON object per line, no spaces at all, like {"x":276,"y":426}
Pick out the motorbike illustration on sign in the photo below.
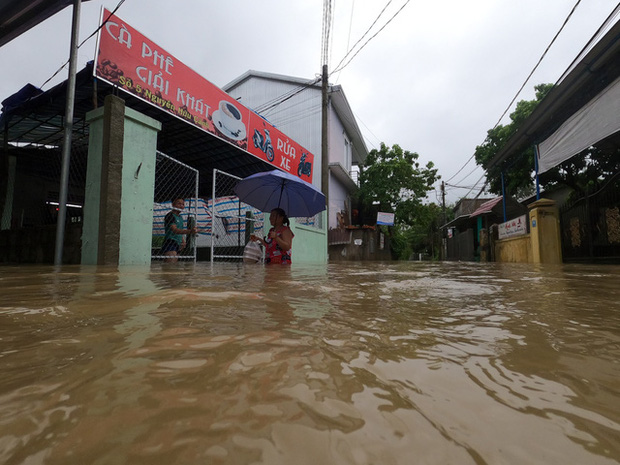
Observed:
{"x":305,"y":167}
{"x":263,"y":143}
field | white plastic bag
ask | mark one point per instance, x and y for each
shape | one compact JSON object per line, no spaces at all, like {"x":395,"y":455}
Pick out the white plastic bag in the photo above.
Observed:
{"x":252,"y":253}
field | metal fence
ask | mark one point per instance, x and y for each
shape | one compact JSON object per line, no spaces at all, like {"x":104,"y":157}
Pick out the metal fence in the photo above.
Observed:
{"x":590,"y":225}
{"x":174,"y":179}
{"x":37,"y":186}
{"x":231,"y":221}
{"x":29,"y":203}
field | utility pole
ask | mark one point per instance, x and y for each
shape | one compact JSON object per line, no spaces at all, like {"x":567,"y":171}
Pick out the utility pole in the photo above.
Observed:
{"x":68,"y":130}
{"x":324,"y":136}
{"x":443,"y":250}
{"x":443,"y":200}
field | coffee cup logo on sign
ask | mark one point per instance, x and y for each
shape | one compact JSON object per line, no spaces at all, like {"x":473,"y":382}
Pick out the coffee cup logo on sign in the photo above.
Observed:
{"x":230,"y":116}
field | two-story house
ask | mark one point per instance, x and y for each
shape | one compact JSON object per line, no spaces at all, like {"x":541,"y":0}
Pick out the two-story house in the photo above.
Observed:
{"x":294,"y":106}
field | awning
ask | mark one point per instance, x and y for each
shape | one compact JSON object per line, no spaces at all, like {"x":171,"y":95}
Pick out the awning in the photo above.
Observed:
{"x":17,"y":16}
{"x":593,"y":122}
{"x":486,"y":207}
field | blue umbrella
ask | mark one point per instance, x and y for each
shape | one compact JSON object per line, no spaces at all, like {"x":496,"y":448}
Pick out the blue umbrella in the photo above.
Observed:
{"x":272,"y":189}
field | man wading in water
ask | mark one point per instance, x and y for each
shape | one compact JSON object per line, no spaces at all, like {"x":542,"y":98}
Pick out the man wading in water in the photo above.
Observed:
{"x":174,"y":239}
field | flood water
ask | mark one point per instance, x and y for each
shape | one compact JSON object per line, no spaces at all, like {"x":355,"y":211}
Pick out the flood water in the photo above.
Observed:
{"x":374,"y":363}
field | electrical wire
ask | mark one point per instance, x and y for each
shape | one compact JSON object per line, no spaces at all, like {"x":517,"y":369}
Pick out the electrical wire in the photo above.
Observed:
{"x":539,"y":61}
{"x":475,"y":185}
{"x":469,"y":174}
{"x":357,"y":118}
{"x":364,"y":35}
{"x":454,"y":186}
{"x":340,"y":68}
{"x":611,"y":19}
{"x":326,"y":30}
{"x":524,"y":83}
{"x":264,"y":107}
{"x":83,"y":42}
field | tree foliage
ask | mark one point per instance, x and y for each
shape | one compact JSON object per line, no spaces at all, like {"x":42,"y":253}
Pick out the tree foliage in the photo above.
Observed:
{"x":519,"y":177}
{"x":420,"y":236}
{"x":584,"y":173}
{"x":392,"y":180}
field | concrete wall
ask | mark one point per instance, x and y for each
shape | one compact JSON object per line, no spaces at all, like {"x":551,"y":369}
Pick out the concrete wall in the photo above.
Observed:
{"x":543,"y":243}
{"x":118,"y":206}
{"x":309,"y":244}
{"x":138,"y":188}
{"x":365,"y":245}
{"x":514,"y":250}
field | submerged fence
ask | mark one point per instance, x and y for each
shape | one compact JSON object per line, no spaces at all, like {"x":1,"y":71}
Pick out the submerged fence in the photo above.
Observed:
{"x":231,"y":221}
{"x":174,"y":179}
{"x":224,"y":223}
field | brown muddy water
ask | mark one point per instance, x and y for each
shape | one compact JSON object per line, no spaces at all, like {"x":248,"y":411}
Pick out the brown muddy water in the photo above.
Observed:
{"x":380,"y":363}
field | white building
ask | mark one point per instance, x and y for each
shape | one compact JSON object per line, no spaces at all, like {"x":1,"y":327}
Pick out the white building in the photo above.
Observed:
{"x":293,"y":105}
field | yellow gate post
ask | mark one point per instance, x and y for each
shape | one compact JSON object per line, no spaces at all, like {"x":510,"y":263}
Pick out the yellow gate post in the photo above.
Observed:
{"x":545,"y":232}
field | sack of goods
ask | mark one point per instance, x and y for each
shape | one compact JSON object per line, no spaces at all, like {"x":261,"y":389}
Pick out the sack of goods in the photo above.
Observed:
{"x":252,"y":252}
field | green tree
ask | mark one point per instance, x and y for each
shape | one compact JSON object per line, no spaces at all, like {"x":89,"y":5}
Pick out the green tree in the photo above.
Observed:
{"x":519,"y":178}
{"x":422,"y":235}
{"x":392,"y":180}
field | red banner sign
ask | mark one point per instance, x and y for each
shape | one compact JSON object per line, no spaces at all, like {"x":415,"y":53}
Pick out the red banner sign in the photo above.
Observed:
{"x":127,"y":59}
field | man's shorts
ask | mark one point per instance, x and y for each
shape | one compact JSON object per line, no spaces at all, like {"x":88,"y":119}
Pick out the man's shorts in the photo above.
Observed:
{"x":170,"y":245}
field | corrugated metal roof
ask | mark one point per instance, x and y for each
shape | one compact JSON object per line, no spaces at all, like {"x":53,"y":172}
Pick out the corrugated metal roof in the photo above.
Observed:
{"x":486,"y":207}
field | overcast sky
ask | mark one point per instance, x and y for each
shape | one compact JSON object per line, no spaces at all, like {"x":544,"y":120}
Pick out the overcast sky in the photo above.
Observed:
{"x":434,"y":80}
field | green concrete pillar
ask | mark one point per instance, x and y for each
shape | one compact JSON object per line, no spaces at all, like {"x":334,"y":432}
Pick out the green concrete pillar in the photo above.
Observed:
{"x":120,"y":179}
{"x":310,"y":243}
{"x":545,"y":232}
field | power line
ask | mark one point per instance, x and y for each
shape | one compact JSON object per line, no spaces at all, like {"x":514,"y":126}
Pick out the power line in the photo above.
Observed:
{"x":475,"y":185}
{"x":539,"y":61}
{"x":468,"y":174}
{"x":266,"y":106}
{"x":83,"y":42}
{"x":610,"y":20}
{"x":326,"y":31}
{"x":364,"y":35}
{"x":525,"y":82}
{"x":340,"y":68}
{"x":462,"y":168}
{"x":454,"y":186}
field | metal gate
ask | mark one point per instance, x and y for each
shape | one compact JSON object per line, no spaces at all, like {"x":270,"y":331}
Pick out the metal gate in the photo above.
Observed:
{"x":174,"y":179}
{"x":590,"y":225}
{"x":232,"y":221}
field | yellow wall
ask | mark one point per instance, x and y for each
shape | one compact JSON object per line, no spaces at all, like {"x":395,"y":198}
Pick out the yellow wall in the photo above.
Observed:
{"x":543,"y":243}
{"x":514,"y":250}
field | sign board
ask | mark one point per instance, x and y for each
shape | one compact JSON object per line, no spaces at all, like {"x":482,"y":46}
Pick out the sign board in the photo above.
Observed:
{"x":512,"y":228}
{"x":127,"y":59}
{"x":386,"y":219}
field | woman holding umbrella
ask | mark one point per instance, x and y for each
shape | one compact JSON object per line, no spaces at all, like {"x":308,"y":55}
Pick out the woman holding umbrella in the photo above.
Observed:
{"x":278,"y":243}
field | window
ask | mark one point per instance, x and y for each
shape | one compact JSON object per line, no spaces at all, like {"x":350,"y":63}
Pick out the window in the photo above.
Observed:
{"x":348,"y":152}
